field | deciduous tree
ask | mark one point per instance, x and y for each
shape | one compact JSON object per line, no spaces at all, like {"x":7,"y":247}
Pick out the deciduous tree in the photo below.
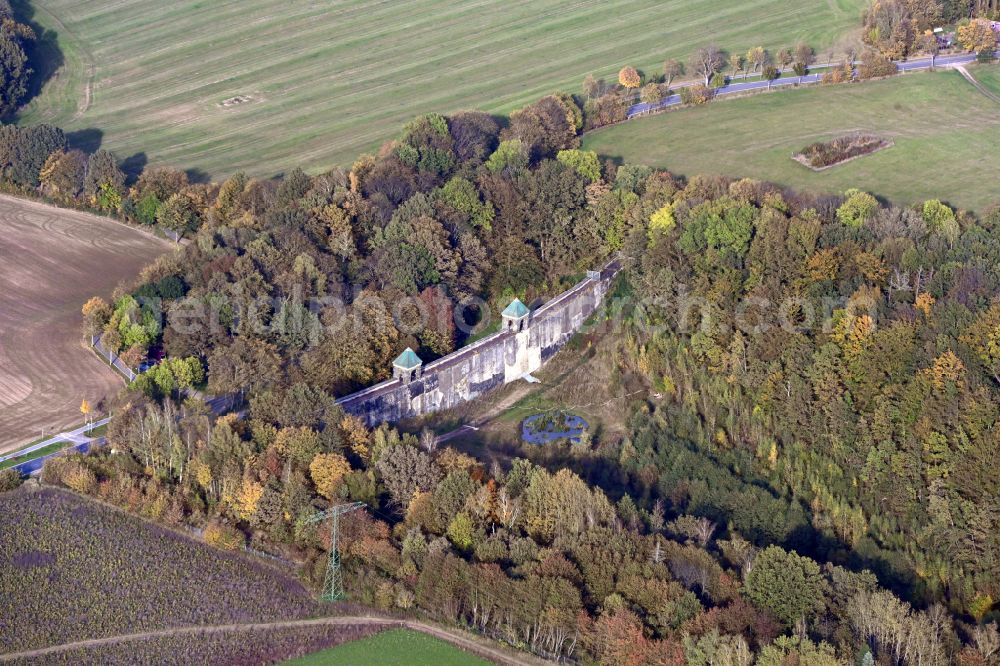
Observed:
{"x":327,"y":470}
{"x":706,"y":62}
{"x":785,"y":584}
{"x":629,"y":78}
{"x":671,"y":70}
{"x":977,"y":35}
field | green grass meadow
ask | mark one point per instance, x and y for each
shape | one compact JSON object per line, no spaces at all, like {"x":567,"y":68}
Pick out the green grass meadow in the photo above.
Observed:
{"x":946,"y":138}
{"x":988,"y":75}
{"x":395,"y":647}
{"x":326,"y":81}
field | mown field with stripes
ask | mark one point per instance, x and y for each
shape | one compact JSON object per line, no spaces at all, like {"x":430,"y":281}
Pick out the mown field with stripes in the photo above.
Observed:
{"x":315,"y":83}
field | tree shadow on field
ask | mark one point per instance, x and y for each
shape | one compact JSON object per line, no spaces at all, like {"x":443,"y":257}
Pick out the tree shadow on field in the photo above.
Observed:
{"x":88,"y":140}
{"x":44,"y":56}
{"x":133,"y":166}
{"x":196,"y":175}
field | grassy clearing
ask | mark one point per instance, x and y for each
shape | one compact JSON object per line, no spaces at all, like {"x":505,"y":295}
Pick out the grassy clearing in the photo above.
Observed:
{"x":988,"y":75}
{"x":946,"y":135}
{"x":99,"y":431}
{"x":390,"y":648}
{"x":325,"y":81}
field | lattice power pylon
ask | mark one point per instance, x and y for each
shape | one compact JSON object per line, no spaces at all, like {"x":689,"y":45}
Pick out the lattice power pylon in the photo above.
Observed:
{"x":333,"y":584}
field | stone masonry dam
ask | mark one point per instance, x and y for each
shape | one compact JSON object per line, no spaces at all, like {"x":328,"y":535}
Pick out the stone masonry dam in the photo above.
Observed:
{"x":525,"y":342}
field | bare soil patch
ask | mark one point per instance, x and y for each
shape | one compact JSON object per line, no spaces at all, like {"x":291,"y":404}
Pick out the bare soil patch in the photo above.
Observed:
{"x":240,"y":101}
{"x":51,"y":261}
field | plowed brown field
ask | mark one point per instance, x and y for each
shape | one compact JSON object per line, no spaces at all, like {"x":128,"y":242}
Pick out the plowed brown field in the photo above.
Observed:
{"x":51,"y":262}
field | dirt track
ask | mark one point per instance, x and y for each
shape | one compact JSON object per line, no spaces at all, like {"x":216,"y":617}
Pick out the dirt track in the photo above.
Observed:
{"x":51,"y":262}
{"x":474,"y":645}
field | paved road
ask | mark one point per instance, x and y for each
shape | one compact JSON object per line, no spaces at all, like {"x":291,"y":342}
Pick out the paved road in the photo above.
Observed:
{"x":791,"y":80}
{"x":77,"y":437}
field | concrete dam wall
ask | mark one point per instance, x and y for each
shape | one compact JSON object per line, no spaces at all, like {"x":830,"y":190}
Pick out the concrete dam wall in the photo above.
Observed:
{"x":527,"y":340}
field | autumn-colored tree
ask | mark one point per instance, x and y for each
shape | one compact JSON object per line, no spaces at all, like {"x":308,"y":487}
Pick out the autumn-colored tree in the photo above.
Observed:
{"x":437,"y":332}
{"x":804,"y":54}
{"x":736,"y":63}
{"x":977,"y":35}
{"x":651,"y":93}
{"x":946,"y":370}
{"x":662,"y":220}
{"x":96,"y":313}
{"x":562,"y":504}
{"x":355,"y":434}
{"x":327,"y":470}
{"x":63,"y":172}
{"x":928,"y":43}
{"x":299,"y":444}
{"x":628,"y":78}
{"x":544,"y":128}
{"x":178,"y":213}
{"x":223,"y":536}
{"x":451,"y":460}
{"x":983,"y":336}
{"x":77,"y":476}
{"x":245,"y":499}
{"x":756,"y":58}
{"x":923,"y":302}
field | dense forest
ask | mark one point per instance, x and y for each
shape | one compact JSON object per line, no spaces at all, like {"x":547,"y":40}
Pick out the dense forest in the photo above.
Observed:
{"x":16,"y":40}
{"x":811,"y":476}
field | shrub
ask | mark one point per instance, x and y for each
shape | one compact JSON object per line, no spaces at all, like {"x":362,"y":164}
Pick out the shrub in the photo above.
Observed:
{"x":876,"y":65}
{"x":652,"y":93}
{"x":9,"y":480}
{"x":696,"y":94}
{"x":223,"y":536}
{"x":605,"y":110}
{"x":825,"y":154}
{"x":844,"y":73}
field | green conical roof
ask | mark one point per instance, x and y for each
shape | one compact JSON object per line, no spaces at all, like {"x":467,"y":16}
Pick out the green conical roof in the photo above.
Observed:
{"x":516,"y":309}
{"x":408,"y":360}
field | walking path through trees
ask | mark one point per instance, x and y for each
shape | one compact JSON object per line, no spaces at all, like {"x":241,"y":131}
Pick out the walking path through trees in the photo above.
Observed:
{"x":470,"y":644}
